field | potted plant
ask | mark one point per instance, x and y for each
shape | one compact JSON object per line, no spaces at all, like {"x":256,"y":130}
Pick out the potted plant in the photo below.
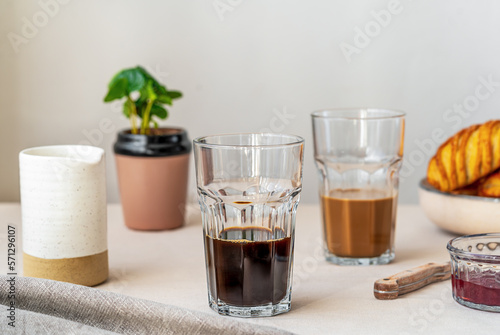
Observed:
{"x":152,"y":161}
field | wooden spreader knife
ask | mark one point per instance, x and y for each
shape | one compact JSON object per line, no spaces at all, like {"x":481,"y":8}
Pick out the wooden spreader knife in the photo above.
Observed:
{"x":410,"y":280}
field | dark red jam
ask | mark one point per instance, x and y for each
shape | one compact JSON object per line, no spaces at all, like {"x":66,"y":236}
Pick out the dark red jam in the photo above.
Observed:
{"x":483,"y":290}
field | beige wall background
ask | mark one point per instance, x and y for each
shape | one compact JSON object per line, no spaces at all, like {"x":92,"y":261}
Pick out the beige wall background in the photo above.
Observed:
{"x":246,"y":66}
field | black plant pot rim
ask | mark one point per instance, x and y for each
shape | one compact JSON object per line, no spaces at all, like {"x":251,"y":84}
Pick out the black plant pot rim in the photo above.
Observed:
{"x":175,"y":142}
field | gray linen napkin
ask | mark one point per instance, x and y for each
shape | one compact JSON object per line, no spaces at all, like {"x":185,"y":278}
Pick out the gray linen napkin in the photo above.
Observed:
{"x":50,"y":307}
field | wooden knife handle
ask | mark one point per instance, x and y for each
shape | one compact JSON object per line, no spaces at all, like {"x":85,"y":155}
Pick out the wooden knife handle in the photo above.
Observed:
{"x":410,"y":280}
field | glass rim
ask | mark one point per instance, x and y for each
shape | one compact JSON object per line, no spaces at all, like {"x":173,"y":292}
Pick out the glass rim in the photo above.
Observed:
{"x":294,"y":140}
{"x":337,"y":113}
{"x":454,"y":250}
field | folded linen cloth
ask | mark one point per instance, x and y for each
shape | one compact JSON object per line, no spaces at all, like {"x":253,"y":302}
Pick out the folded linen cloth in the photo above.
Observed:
{"x":50,"y":307}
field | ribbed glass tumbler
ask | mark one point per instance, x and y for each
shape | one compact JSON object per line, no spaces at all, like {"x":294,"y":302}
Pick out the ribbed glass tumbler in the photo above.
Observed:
{"x":249,"y":188}
{"x":358,"y":153}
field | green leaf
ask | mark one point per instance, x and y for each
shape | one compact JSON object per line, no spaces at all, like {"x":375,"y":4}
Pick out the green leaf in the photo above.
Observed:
{"x":144,"y":72}
{"x":157,"y":87}
{"x":164,"y":99}
{"x":127,"y":108}
{"x":152,"y":95}
{"x":147,"y":92}
{"x":135,"y":79}
{"x":175,"y":94}
{"x":147,"y":76}
{"x":160,"y":89}
{"x":117,"y":90}
{"x":159,"y":111}
{"x":140,"y":107}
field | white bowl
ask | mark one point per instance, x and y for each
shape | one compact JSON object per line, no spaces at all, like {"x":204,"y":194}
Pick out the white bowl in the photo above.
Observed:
{"x":458,"y":213}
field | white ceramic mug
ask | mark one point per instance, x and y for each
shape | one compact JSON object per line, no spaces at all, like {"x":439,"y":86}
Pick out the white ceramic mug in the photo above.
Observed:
{"x":64,"y":213}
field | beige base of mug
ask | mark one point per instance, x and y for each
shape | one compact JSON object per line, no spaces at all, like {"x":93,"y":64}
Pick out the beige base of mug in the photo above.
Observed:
{"x":89,"y":270}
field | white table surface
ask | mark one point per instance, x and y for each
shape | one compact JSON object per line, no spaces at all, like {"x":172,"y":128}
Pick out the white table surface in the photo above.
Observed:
{"x":168,"y":267}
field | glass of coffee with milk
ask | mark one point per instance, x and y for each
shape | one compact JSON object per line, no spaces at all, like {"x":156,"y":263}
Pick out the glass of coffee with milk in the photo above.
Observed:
{"x":358,"y":154}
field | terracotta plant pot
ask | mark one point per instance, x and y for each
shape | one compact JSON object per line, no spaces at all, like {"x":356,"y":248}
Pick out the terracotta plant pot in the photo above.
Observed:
{"x":153,"y":177}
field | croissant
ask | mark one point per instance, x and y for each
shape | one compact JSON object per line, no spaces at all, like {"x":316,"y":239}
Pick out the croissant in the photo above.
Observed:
{"x":491,"y":186}
{"x":470,"y":154}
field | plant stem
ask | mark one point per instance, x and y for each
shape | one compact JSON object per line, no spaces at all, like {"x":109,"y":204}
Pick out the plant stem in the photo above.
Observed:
{"x":145,"y":117}
{"x":133,"y":115}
